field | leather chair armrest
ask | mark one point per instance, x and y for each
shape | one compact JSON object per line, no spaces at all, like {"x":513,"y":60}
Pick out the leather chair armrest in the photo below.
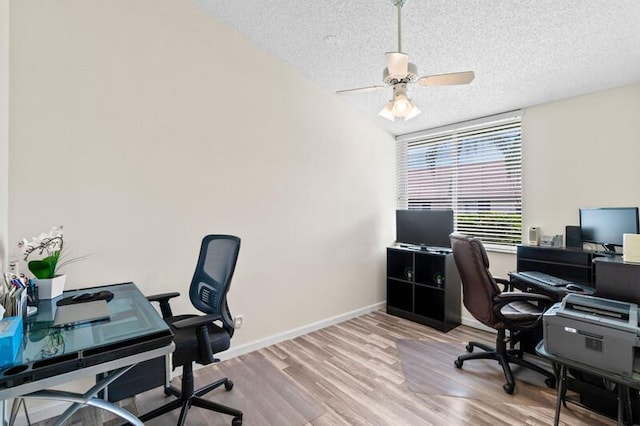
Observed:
{"x":163,"y":299}
{"x":196,"y":321}
{"x":507,"y":297}
{"x":505,"y":282}
{"x":517,"y":296}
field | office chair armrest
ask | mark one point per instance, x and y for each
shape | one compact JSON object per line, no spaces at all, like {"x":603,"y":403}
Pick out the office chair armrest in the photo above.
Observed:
{"x":506,"y":283}
{"x":202,"y":333}
{"x":196,"y":321}
{"x":163,"y":299}
{"x":507,"y":297}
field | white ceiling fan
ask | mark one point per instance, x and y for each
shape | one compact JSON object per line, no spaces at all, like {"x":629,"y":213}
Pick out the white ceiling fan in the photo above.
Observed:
{"x":400,"y":72}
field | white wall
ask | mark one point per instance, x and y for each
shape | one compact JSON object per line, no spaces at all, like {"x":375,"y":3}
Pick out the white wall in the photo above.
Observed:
{"x":4,"y":131}
{"x":142,"y":126}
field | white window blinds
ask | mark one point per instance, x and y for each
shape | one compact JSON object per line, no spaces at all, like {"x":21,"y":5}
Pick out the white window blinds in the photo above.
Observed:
{"x":473,"y":168}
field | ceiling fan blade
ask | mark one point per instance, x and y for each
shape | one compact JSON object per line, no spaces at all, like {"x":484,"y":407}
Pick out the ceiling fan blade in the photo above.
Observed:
{"x":360,"y":90}
{"x":465,"y":77}
{"x":397,"y":64}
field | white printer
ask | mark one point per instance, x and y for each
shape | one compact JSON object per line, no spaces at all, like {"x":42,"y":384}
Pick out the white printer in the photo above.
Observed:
{"x":601,"y":333}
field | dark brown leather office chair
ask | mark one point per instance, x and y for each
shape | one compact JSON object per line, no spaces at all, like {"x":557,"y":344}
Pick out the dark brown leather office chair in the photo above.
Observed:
{"x":500,"y":310}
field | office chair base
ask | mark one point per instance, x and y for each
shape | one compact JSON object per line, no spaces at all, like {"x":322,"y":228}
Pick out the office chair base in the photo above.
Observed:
{"x":187,"y":396}
{"x":504,"y":357}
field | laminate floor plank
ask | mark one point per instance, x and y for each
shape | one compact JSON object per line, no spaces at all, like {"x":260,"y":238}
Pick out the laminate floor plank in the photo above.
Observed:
{"x":352,"y":373}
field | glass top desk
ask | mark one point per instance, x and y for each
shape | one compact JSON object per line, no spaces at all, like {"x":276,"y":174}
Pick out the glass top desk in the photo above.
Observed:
{"x":51,"y":356}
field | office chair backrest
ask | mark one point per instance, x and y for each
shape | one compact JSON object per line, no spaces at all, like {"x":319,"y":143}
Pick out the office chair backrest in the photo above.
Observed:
{"x":478,"y":286}
{"x":213,"y":274}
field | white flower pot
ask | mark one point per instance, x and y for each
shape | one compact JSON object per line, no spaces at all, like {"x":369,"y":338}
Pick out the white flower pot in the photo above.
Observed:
{"x":50,"y":288}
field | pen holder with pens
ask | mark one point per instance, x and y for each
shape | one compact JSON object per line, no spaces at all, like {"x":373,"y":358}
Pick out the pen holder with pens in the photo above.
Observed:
{"x":32,"y":293}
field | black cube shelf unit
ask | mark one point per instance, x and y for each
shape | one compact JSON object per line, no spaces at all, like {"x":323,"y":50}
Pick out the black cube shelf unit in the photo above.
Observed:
{"x":424,"y":287}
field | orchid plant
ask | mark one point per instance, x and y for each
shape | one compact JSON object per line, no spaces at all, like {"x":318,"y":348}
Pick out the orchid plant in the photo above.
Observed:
{"x":50,"y":246}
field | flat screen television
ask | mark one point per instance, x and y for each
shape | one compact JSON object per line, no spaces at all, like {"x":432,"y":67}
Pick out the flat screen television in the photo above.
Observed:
{"x":605,"y":226}
{"x":424,"y":227}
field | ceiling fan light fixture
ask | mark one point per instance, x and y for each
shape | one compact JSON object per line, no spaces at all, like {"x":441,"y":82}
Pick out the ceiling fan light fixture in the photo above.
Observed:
{"x":412,"y":113}
{"x":401,"y":105}
{"x":387,"y":112}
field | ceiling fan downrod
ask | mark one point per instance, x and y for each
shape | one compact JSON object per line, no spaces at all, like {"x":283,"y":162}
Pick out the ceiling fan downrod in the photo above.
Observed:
{"x":398,"y":4}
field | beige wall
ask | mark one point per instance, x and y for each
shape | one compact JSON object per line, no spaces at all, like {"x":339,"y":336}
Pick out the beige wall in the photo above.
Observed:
{"x":580,"y":152}
{"x":142,"y":126}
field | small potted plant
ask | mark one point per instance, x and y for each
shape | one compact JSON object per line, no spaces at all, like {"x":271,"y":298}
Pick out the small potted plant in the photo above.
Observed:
{"x":45,"y":270}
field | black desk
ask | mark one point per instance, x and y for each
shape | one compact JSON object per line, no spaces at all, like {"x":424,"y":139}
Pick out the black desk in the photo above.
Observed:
{"x":604,"y":275}
{"x":51,"y":356}
{"x":623,"y":383}
{"x":530,"y":285}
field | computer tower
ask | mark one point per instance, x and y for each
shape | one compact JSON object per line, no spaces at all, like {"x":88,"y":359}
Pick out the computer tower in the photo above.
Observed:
{"x":573,"y":237}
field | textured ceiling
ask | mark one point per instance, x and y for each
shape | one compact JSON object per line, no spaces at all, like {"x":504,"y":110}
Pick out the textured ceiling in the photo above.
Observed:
{"x":523,"y":52}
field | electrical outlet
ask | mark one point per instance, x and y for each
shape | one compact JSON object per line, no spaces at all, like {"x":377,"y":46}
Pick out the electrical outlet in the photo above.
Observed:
{"x":238,"y":321}
{"x":14,"y":267}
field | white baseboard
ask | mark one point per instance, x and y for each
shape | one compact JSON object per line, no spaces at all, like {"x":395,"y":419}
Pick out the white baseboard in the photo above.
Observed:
{"x":44,"y":411}
{"x":290,"y":334}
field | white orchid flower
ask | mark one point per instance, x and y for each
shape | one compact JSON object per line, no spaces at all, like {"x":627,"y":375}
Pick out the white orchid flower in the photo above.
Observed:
{"x":23,"y":244}
{"x":56,"y":231}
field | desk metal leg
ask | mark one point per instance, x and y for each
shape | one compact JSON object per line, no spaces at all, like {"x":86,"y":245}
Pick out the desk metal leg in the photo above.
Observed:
{"x":628,"y":408}
{"x":562,"y":388}
{"x":15,"y":407}
{"x":88,"y":398}
{"x":624,"y":405}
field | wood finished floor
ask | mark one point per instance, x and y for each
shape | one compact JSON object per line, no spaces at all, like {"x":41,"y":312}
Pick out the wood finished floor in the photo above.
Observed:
{"x":353,"y":374}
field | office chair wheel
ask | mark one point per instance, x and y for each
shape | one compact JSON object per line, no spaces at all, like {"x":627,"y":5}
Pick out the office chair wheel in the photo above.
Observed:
{"x":228,"y":385}
{"x":469,"y":347}
{"x":237,"y":421}
{"x":457,"y":363}
{"x":550,"y":381}
{"x":508,"y":388}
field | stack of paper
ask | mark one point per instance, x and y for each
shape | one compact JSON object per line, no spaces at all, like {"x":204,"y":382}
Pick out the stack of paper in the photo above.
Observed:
{"x":13,"y":295}
{"x":631,"y":248}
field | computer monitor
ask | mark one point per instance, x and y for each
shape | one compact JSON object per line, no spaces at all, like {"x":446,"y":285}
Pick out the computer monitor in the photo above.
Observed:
{"x":424,"y":227}
{"x":605,"y":226}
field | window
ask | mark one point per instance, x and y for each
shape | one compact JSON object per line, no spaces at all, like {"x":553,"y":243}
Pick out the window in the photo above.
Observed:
{"x":473,"y":168}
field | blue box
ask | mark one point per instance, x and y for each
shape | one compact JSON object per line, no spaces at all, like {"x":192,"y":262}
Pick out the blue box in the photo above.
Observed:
{"x":10,"y":339}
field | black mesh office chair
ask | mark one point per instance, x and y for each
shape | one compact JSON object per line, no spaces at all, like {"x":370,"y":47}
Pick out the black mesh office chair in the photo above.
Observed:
{"x":500,"y":310}
{"x":199,"y":337}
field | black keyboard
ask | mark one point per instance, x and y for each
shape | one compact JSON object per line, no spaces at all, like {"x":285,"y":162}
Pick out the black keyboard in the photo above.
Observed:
{"x":545,"y":278}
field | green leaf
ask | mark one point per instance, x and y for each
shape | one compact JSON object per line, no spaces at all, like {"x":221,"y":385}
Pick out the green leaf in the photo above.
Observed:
{"x":44,"y":268}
